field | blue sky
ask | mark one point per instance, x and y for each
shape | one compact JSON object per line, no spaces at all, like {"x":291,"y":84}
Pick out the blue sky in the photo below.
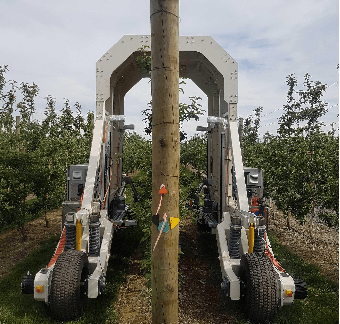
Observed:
{"x":56,"y":45}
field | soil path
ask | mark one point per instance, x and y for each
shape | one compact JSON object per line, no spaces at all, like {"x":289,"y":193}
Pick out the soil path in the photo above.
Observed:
{"x":200,"y":298}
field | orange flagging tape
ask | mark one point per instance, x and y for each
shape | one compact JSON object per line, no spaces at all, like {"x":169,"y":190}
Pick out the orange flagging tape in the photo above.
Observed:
{"x":162,"y":190}
{"x":59,"y":249}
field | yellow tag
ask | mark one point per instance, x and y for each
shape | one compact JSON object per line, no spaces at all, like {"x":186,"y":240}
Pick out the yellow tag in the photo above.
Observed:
{"x":289,"y":293}
{"x":174,"y":222}
{"x":39,"y":289}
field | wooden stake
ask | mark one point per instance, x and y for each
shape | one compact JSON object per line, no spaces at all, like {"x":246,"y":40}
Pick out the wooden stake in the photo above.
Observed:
{"x":165,"y":156}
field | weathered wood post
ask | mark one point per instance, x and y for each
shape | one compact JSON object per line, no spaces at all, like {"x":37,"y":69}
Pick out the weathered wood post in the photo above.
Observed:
{"x":17,"y":123}
{"x":165,"y":156}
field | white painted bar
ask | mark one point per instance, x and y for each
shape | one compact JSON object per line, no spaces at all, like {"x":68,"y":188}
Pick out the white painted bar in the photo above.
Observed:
{"x":242,"y":199}
{"x":228,"y":266}
{"x":95,"y":155}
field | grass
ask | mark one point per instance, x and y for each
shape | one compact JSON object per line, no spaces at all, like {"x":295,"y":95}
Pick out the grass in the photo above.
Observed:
{"x":17,"y":308}
{"x":320,"y":307}
{"x":322,"y":304}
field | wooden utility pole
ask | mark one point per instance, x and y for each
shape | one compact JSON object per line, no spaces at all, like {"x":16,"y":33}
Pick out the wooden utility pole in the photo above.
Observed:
{"x":164,"y":17}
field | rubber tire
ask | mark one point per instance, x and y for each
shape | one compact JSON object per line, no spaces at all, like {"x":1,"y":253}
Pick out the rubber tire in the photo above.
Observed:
{"x":68,"y":294}
{"x":259,"y":288}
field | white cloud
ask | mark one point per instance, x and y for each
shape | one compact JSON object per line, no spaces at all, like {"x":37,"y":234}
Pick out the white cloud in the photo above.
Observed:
{"x":56,"y":45}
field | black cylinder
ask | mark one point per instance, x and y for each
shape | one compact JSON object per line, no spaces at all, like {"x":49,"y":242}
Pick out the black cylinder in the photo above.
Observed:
{"x":301,"y":291}
{"x":27,"y":285}
{"x":259,"y":242}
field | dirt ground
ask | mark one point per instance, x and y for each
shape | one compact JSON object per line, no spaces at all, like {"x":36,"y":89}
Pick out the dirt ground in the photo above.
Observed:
{"x":200,"y":297}
{"x":12,"y":247}
{"x":314,"y":242}
{"x":200,"y":300}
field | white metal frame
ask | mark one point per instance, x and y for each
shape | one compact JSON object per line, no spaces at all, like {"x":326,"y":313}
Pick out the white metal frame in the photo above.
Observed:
{"x":216,"y":73}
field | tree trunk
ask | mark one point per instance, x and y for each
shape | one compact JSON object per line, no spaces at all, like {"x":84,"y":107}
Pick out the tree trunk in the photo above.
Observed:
{"x":22,"y":222}
{"x":47,"y":223}
{"x":288,"y":220}
{"x":165,"y":156}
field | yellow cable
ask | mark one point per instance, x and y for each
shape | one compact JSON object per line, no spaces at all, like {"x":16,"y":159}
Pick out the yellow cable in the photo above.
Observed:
{"x":251,"y":238}
{"x":78,"y":235}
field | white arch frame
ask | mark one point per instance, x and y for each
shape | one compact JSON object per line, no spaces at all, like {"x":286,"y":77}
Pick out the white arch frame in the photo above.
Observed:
{"x":202,"y":59}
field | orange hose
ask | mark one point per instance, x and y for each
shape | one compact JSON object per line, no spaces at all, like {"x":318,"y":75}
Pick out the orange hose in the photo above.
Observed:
{"x":272,"y":258}
{"x":104,"y":140}
{"x":59,"y":249}
{"x":107,"y":189}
